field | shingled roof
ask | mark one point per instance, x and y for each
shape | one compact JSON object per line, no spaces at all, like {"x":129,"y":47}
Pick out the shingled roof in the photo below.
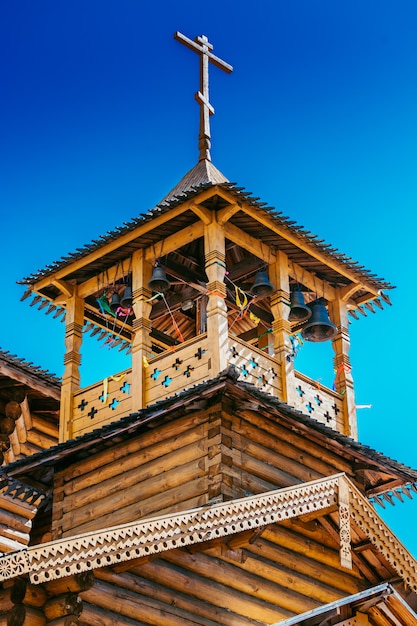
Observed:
{"x":201,"y":177}
{"x":403,"y":479}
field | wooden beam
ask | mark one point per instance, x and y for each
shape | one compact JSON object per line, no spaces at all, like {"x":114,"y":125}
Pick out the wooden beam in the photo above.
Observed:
{"x":174,"y":242}
{"x":246,"y":241}
{"x":204,"y":214}
{"x":348,"y":291}
{"x":111,"y":246}
{"x":313,"y":282}
{"x":224,"y":215}
{"x":65,"y":288}
{"x":297,"y":240}
{"x":110,"y":276}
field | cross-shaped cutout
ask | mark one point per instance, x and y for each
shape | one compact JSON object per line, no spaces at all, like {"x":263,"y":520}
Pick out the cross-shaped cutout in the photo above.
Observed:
{"x":167,"y":380}
{"x":318,"y":399}
{"x":199,"y":353}
{"x":328,"y":416}
{"x":335,"y":409}
{"x":114,"y":404}
{"x":188,"y":371}
{"x":273,"y":372}
{"x":92,"y":413}
{"x":234,"y":352}
{"x":155,"y":374}
{"x":244,"y":371}
{"x":262,"y":380}
{"x":125,"y":388}
{"x":177,"y":364}
{"x":253,"y":363}
{"x":309,"y":407}
{"x":300,"y":391}
{"x":82,"y":405}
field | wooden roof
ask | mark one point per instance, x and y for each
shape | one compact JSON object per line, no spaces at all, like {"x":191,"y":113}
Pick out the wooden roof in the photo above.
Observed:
{"x":32,"y":396}
{"x":384,"y":480}
{"x":205,"y":186}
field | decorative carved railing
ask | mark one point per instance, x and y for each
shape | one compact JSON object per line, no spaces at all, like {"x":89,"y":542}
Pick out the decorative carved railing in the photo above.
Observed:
{"x":102,"y":403}
{"x":189,"y":364}
{"x":255,"y":367}
{"x":175,"y":370}
{"x":321,"y":403}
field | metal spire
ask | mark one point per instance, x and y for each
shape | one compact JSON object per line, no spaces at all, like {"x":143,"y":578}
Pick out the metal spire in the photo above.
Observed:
{"x":203,"y":47}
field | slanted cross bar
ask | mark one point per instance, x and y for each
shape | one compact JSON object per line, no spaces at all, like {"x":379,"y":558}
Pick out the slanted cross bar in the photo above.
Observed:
{"x":203,"y":47}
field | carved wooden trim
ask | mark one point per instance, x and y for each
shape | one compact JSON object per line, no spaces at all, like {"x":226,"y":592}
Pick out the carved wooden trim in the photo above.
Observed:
{"x":378,"y":533}
{"x":130,"y":541}
{"x":82,"y":553}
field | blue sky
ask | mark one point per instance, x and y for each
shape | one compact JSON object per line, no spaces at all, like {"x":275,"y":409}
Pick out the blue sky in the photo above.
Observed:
{"x":319,"y":119}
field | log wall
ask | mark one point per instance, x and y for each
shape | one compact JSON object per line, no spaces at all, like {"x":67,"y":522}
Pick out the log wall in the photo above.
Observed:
{"x":221,"y":453}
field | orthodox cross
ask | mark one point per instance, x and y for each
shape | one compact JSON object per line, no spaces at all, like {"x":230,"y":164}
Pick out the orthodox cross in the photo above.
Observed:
{"x":203,"y":47}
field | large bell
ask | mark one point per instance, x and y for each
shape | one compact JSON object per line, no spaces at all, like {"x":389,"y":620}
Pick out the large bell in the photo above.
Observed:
{"x":126,"y":301}
{"x":261,"y":285}
{"x":299,"y":312}
{"x":158,"y":282}
{"x":115,"y":302}
{"x":318,"y":327}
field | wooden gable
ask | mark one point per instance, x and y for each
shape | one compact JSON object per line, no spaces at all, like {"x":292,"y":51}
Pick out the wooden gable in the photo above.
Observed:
{"x":254,"y":560}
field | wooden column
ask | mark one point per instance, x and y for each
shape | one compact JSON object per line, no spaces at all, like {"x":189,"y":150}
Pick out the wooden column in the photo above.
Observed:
{"x":280,"y":308}
{"x":217,"y":325}
{"x":141,"y":341}
{"x":74,"y":321}
{"x":344,"y":381}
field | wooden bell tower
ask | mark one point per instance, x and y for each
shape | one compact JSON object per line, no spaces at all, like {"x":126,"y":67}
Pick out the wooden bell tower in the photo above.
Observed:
{"x":212,"y":241}
{"x":211,"y":482}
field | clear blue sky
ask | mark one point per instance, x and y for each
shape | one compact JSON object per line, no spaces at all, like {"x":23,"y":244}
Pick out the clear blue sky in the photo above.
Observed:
{"x":319,"y":119}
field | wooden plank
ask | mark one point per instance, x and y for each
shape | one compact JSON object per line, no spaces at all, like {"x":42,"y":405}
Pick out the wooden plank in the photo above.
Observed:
{"x":333,"y":459}
{"x":147,"y":439}
{"x":139,"y":607}
{"x":94,"y":616}
{"x":230,"y":586}
{"x":137,"y":473}
{"x":170,"y":484}
{"x":282,"y":446}
{"x":113,"y":465}
{"x":324,"y":578}
{"x":168,"y":500}
{"x":165,"y":593}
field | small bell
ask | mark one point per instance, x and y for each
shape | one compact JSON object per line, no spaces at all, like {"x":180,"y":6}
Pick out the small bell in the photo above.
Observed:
{"x":126,"y":301}
{"x":299,"y":312}
{"x":158,"y":281}
{"x":261,"y":285}
{"x":115,"y":302}
{"x":318,"y":327}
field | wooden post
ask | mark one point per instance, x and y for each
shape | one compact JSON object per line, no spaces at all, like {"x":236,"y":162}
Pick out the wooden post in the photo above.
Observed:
{"x":74,"y":321}
{"x":280,"y":308}
{"x":217,"y":325}
{"x":344,"y":381}
{"x":141,"y":341}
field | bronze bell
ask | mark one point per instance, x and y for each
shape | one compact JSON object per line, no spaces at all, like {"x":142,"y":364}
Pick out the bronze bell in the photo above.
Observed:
{"x":261,"y":285}
{"x":158,"y":282}
{"x":115,"y":302}
{"x":318,"y":327}
{"x":299,"y":312}
{"x":126,"y":301}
